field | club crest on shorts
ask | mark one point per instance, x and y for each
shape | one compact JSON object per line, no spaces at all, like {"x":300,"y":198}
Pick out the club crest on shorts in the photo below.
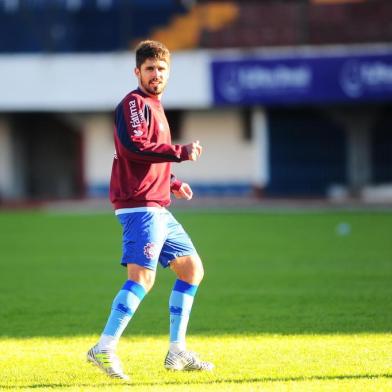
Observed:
{"x":149,"y":250}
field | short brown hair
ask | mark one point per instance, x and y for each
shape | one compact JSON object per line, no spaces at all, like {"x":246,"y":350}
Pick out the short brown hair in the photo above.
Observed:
{"x":151,"y":49}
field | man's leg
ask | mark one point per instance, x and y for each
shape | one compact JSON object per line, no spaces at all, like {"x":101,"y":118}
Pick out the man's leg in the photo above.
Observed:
{"x":143,"y":237}
{"x":140,"y":281}
{"x":189,"y":271}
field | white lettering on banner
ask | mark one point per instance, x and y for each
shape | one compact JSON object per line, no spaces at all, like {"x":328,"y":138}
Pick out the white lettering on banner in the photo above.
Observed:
{"x":377,"y":73}
{"x":356,"y":77}
{"x":280,"y":77}
{"x":236,"y":81}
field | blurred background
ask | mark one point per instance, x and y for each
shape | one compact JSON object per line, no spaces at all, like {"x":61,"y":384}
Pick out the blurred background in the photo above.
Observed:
{"x":290,"y":99}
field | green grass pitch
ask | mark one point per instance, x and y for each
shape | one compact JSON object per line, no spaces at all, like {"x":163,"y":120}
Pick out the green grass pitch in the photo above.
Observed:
{"x":291,"y":301}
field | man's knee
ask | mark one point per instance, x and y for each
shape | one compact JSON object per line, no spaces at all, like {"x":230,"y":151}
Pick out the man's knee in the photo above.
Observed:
{"x":199,"y":268}
{"x":188,"y":268}
{"x":141,"y":275}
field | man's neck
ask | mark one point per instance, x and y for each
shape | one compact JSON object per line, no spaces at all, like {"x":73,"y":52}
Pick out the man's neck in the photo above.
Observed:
{"x":154,"y":96}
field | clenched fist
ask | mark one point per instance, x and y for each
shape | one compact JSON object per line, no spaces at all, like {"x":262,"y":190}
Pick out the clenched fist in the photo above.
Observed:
{"x":185,"y":192}
{"x":194,"y":150}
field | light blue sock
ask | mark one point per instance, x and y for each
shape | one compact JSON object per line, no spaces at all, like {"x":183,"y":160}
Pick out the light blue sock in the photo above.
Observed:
{"x":180,"y":306}
{"x":124,"y":306}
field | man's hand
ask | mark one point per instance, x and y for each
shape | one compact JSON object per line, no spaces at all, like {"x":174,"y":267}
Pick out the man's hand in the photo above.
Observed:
{"x":194,"y":150}
{"x":185,"y":192}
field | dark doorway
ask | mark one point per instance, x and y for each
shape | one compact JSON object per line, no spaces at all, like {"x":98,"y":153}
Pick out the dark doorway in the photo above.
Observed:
{"x":307,"y":152}
{"x":382,"y":148}
{"x":48,"y":156}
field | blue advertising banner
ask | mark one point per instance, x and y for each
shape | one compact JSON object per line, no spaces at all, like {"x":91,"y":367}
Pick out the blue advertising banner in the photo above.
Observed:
{"x":326,"y":79}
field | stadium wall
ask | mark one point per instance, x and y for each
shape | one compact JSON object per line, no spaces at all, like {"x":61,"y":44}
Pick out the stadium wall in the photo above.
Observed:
{"x":94,"y":82}
{"x":6,"y":177}
{"x":231,"y":164}
{"x":246,"y":147}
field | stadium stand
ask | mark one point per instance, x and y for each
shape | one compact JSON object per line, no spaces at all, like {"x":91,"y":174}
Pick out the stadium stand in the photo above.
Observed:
{"x":112,"y":25}
{"x":291,"y":23}
{"x":185,"y":31}
{"x":80,"y":25}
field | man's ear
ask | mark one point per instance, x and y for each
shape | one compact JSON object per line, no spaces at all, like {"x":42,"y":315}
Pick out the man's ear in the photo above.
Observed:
{"x":136,"y":72}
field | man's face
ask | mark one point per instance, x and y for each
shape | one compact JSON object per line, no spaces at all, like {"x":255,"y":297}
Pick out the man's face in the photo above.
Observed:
{"x":153,"y":75}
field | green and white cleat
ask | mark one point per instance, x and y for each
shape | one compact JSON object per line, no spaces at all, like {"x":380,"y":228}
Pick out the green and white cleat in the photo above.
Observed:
{"x":107,"y":361}
{"x":186,"y":360}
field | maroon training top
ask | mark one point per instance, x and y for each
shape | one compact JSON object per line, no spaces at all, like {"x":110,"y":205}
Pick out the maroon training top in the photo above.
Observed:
{"x":141,"y":174}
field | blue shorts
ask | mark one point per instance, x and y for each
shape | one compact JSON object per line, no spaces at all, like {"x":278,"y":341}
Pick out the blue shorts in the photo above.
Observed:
{"x":152,"y":235}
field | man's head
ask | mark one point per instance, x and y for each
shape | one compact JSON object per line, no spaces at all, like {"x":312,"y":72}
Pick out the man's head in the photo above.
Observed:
{"x":151,"y":50}
{"x":152,"y":67}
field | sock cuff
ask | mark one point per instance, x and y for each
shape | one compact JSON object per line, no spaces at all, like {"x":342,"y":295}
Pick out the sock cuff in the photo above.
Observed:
{"x":135,"y":288}
{"x":184,"y":287}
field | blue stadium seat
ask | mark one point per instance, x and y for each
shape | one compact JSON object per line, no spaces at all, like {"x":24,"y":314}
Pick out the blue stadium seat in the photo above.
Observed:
{"x":80,"y":26}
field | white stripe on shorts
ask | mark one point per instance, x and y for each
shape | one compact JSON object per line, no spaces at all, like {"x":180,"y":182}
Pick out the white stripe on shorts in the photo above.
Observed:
{"x":138,"y":209}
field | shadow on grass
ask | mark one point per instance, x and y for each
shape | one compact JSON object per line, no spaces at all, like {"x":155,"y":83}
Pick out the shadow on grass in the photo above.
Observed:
{"x":221,"y":381}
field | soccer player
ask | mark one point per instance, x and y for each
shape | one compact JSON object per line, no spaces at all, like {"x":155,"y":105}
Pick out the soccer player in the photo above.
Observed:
{"x":140,"y":187}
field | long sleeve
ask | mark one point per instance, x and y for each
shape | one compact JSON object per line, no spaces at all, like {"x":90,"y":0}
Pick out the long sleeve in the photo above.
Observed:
{"x":136,"y":136}
{"x":175,"y":183}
